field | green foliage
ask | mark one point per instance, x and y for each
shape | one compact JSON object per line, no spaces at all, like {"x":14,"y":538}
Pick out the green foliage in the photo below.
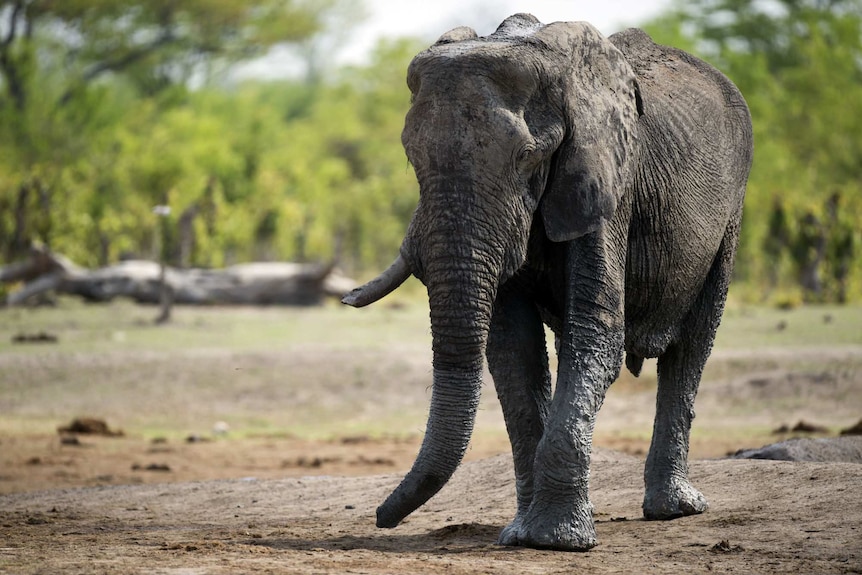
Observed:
{"x":291,"y":170}
{"x":97,"y":124}
{"x":799,"y":66}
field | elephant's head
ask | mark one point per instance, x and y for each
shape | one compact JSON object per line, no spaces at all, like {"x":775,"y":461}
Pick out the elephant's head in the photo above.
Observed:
{"x":532,"y":119}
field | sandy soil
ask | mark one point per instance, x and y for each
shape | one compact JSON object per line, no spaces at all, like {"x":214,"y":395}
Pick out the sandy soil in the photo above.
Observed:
{"x":282,"y":503}
{"x":766,"y":517}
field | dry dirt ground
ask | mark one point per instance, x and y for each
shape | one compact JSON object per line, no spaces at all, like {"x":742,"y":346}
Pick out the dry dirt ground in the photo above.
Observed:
{"x":766,"y":517}
{"x":262,"y":498}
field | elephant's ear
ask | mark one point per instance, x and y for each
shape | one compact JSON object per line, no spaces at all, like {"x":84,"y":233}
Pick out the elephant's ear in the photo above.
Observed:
{"x":592,"y":168}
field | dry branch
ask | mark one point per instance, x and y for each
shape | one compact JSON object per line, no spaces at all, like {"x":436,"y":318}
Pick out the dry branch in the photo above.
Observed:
{"x":262,"y":283}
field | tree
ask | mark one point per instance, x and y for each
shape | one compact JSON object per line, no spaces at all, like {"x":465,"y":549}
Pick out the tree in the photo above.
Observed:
{"x":159,"y":43}
{"x":71,"y":69}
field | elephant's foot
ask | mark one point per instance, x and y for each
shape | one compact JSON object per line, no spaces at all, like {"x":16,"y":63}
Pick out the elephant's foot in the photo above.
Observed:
{"x":672,"y":499}
{"x":547,"y":527}
{"x":509,"y":534}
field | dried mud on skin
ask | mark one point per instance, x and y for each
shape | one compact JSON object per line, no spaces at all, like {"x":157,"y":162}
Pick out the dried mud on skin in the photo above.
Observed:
{"x":765,"y":517}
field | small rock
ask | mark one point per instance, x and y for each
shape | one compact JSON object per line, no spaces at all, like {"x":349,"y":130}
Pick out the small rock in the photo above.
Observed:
{"x":151,"y":467}
{"x":806,"y":427}
{"x":195,"y":438}
{"x":801,"y":427}
{"x":724,"y":546}
{"x":853,"y":429}
{"x":89,"y":426}
{"x":41,"y":337}
{"x":847,"y":449}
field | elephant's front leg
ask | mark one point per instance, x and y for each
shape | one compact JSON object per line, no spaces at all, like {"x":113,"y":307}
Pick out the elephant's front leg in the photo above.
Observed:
{"x":590,"y":357}
{"x":518,"y":361}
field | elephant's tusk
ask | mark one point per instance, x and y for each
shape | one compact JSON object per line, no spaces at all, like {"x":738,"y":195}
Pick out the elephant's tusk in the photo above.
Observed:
{"x":379,"y":287}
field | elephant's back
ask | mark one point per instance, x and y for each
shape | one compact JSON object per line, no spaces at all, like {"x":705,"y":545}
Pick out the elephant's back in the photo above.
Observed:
{"x":694,"y":157}
{"x":690,"y":110}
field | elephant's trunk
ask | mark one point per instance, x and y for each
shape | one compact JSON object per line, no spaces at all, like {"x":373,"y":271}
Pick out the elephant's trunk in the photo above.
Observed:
{"x":460,"y":297}
{"x":454,"y":400}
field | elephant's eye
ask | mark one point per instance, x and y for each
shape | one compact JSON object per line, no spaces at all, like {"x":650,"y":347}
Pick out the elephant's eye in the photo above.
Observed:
{"x":528,"y":156}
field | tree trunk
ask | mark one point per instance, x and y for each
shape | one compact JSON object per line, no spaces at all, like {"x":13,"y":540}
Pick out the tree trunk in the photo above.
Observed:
{"x":269,"y":283}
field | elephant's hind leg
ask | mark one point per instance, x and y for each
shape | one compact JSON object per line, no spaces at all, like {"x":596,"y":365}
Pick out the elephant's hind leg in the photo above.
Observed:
{"x":669,"y":493}
{"x":518,"y":361}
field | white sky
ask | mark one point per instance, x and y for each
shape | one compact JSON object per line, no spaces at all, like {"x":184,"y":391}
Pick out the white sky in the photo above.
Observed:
{"x":429,"y":19}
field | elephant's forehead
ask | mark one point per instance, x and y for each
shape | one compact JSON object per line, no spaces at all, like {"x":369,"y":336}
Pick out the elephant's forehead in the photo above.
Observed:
{"x":506,"y":58}
{"x":479,"y":48}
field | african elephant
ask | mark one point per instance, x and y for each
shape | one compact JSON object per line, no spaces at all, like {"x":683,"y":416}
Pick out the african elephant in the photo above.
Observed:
{"x":591,"y":184}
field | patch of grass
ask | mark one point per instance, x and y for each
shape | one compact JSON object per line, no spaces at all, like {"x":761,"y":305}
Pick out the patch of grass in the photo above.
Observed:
{"x":306,"y":372}
{"x":125,"y":326}
{"x":807,"y":326}
{"x":297,"y":370}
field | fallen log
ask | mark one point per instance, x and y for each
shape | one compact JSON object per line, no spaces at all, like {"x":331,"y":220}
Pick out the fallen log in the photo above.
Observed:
{"x":260,"y":283}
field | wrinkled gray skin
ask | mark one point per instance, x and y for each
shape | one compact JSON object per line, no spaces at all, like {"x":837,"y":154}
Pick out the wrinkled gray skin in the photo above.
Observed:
{"x":593,"y":184}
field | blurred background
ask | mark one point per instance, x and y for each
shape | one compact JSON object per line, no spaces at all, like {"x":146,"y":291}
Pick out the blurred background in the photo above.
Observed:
{"x":271,"y":128}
